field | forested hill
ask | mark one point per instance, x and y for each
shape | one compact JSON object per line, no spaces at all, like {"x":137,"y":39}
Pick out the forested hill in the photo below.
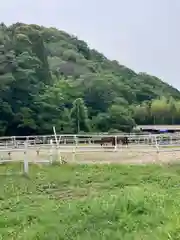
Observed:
{"x":48,"y":77}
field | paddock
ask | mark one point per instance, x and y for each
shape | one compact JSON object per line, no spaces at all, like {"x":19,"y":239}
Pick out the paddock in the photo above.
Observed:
{"x":84,"y":149}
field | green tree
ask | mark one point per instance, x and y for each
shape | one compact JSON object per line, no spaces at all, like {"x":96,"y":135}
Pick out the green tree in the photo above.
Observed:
{"x":101,"y":122}
{"x":160,"y":110}
{"x":79,"y":116}
{"x":172,"y":110}
{"x":120,"y":118}
{"x":43,"y":71}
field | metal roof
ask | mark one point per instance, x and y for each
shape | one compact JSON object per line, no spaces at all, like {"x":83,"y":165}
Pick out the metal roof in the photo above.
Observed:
{"x":158,"y":127}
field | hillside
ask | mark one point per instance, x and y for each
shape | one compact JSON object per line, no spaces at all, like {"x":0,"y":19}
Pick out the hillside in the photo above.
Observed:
{"x":49,"y":77}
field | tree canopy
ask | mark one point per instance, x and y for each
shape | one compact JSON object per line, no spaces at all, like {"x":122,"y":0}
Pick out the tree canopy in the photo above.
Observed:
{"x":49,"y":77}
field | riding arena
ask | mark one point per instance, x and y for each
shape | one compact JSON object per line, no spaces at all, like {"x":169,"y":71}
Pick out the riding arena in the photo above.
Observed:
{"x":122,"y":148}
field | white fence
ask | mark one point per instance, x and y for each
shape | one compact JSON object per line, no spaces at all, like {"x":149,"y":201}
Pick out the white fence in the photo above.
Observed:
{"x":47,"y":148}
{"x":89,"y":140}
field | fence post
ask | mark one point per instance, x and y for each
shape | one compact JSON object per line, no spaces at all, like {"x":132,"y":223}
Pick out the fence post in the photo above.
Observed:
{"x":156,"y":144}
{"x":26,"y":163}
{"x":59,"y":140}
{"x":57,"y":145}
{"x":74,"y":148}
{"x":115,"y":145}
{"x":51,"y":151}
{"x":171,"y":140}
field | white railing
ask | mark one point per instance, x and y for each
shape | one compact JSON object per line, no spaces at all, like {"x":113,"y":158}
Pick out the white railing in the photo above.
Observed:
{"x":46,"y":148}
{"x":91,"y":140}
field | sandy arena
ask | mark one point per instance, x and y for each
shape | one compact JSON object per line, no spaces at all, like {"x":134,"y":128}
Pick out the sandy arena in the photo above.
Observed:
{"x":94,"y":154}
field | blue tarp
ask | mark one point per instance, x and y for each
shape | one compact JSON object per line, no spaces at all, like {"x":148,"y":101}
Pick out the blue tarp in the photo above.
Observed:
{"x":163,"y":130}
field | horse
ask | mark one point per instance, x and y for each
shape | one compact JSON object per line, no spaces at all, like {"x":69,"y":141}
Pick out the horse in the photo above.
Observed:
{"x":113,"y":140}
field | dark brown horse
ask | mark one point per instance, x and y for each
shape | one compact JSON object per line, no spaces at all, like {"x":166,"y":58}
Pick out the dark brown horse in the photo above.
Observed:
{"x":113,"y":141}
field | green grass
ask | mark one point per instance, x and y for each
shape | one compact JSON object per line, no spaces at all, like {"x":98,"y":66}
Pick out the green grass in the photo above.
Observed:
{"x":94,"y":202}
{"x":166,"y":146}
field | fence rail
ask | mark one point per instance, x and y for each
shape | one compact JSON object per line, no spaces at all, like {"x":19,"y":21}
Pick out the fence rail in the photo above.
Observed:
{"x":47,"y":148}
{"x":16,"y":141}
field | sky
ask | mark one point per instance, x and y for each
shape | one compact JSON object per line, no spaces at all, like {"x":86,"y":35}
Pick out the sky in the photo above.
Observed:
{"x":142,"y":34}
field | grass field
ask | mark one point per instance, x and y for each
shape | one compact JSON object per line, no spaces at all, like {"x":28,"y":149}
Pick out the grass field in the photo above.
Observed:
{"x":90,"y":202}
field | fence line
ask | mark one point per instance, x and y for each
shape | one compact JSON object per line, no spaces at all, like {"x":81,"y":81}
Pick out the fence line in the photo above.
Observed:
{"x":87,"y":135}
{"x":55,"y":148}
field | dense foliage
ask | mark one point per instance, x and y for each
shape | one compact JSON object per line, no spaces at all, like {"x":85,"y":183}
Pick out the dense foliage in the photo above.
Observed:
{"x":48,"y":77}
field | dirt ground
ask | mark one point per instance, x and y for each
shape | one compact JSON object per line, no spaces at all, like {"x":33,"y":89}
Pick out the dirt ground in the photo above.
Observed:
{"x":131,"y":154}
